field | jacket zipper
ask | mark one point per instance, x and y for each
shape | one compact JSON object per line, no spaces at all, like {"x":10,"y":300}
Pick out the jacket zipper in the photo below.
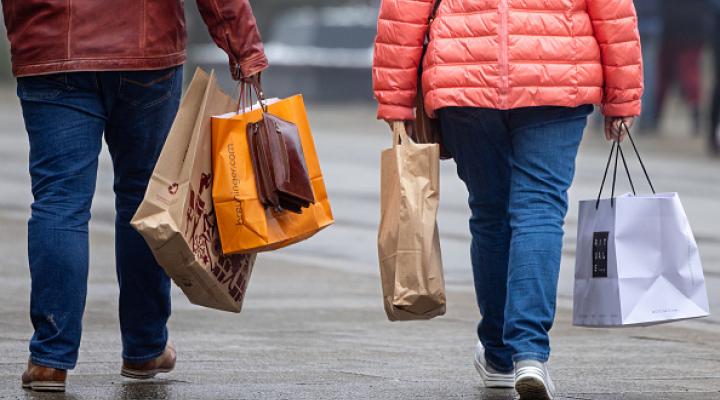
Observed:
{"x":503,"y":58}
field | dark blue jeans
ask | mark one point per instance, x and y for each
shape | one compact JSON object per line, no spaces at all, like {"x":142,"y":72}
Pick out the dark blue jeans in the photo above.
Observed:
{"x":66,"y":116}
{"x":517,"y":165}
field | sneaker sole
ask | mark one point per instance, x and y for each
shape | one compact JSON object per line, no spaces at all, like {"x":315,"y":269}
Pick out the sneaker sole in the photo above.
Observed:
{"x":532,"y":388}
{"x":45,"y":386}
{"x":142,"y":375}
{"x":493,"y":381}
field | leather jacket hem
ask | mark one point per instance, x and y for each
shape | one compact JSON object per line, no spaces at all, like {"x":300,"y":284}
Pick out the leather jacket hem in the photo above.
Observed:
{"x":99,"y":64}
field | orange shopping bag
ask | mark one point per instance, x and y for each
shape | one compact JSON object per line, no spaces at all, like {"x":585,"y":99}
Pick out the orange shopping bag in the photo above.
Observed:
{"x":245,"y":225}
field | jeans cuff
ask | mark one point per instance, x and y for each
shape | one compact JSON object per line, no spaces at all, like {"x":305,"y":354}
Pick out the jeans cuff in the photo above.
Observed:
{"x":44,"y":362}
{"x":142,"y":359}
{"x":541,"y":357}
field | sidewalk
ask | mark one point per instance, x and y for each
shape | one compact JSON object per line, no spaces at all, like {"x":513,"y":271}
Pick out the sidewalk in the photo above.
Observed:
{"x":315,"y":333}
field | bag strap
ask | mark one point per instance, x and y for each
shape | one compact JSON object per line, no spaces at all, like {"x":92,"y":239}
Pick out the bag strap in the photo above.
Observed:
{"x":248,"y":86}
{"x":617,"y":152}
{"x":627,"y":170}
{"x":642,"y":164}
{"x":607,"y":168}
{"x":616,"y":149}
{"x":430,"y":20}
{"x":433,"y":13}
{"x":400,"y":135}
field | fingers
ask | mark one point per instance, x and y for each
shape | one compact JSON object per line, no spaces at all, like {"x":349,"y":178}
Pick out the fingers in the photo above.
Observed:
{"x":629,"y":121}
{"x":609,"y":135}
{"x":614,"y":129}
{"x":618,"y":130}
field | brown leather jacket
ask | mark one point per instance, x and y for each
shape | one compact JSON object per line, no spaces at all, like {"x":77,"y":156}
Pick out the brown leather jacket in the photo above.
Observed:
{"x":48,"y":36}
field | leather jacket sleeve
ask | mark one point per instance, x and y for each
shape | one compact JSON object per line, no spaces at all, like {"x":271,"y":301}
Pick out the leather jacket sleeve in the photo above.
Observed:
{"x":233,"y":27}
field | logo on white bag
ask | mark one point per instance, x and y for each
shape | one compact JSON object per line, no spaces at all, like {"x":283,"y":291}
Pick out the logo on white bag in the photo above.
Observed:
{"x":600,"y":254}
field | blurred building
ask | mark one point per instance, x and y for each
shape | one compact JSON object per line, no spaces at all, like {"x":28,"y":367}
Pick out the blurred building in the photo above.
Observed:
{"x":323,"y":52}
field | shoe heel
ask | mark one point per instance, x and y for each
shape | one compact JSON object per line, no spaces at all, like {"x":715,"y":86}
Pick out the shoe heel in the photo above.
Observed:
{"x":46,"y":386}
{"x":132,"y":374}
{"x":531,"y":388}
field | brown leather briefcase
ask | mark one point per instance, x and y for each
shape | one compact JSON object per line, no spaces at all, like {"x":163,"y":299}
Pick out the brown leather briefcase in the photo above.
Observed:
{"x":279,"y":164}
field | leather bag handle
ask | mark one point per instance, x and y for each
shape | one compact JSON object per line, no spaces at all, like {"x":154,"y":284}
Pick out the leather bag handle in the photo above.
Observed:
{"x":247,"y":87}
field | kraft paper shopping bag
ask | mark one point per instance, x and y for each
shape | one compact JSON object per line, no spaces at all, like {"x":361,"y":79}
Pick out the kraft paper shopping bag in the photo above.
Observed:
{"x":408,"y":238}
{"x":177,"y":218}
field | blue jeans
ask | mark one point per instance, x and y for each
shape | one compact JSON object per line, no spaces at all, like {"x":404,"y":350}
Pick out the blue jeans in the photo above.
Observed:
{"x":65,"y":116}
{"x":517,"y":165}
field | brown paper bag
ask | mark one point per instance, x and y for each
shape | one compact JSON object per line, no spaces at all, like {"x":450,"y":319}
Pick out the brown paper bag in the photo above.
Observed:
{"x":408,"y":239}
{"x":177,"y":218}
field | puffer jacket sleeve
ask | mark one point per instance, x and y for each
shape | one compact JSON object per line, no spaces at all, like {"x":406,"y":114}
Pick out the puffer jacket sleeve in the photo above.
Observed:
{"x":398,"y":48}
{"x":616,"y":30}
{"x":233,"y":28}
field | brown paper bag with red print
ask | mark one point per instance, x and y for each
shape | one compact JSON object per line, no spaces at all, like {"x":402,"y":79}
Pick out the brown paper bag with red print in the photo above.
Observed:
{"x":177,"y":218}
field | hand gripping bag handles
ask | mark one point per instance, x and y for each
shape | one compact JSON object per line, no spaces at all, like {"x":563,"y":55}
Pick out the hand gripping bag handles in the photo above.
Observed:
{"x":408,"y":240}
{"x":269,"y":190}
{"x":637,"y":262}
{"x":177,"y":218}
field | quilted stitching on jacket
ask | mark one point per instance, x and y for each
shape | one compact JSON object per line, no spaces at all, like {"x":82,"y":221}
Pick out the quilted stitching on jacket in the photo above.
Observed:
{"x":536,"y":53}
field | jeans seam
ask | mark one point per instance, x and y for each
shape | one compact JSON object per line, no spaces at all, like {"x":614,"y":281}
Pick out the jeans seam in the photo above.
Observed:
{"x":43,"y":362}
{"x":173,"y":82}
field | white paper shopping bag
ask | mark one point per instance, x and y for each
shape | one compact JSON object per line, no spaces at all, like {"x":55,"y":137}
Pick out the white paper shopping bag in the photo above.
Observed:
{"x":637,"y":262}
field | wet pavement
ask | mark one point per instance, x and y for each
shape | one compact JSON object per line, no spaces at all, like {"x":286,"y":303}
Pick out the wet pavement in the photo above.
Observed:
{"x":313,"y":326}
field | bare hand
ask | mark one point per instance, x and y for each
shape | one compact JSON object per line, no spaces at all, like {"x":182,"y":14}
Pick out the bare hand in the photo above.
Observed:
{"x":614,"y":129}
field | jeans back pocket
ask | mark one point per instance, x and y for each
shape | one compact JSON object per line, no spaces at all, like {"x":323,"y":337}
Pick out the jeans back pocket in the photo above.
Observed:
{"x":146,"y":89}
{"x":42,"y":87}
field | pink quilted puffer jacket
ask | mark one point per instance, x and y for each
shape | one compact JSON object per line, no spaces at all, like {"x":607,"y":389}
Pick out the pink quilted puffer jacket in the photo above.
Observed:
{"x":507,"y":54}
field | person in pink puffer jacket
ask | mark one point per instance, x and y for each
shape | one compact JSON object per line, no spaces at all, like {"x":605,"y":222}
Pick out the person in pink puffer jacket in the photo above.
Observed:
{"x":512,"y":82}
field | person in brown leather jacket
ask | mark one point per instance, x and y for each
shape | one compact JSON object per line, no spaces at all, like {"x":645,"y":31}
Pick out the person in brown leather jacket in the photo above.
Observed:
{"x":88,"y":69}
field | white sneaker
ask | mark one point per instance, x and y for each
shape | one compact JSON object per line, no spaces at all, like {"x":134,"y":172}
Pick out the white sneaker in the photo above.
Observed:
{"x":490,"y":377}
{"x":532,"y":381}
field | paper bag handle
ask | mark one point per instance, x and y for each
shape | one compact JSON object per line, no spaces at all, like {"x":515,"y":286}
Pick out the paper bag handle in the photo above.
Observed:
{"x":400,"y":135}
{"x":618,"y":152}
{"x":637,"y":153}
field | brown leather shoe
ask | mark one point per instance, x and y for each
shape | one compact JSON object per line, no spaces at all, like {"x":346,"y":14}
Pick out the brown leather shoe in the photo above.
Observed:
{"x":43,"y":379}
{"x":146,"y":370}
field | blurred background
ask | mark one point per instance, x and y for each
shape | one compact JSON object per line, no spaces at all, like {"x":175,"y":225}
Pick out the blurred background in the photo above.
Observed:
{"x":323,"y":49}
